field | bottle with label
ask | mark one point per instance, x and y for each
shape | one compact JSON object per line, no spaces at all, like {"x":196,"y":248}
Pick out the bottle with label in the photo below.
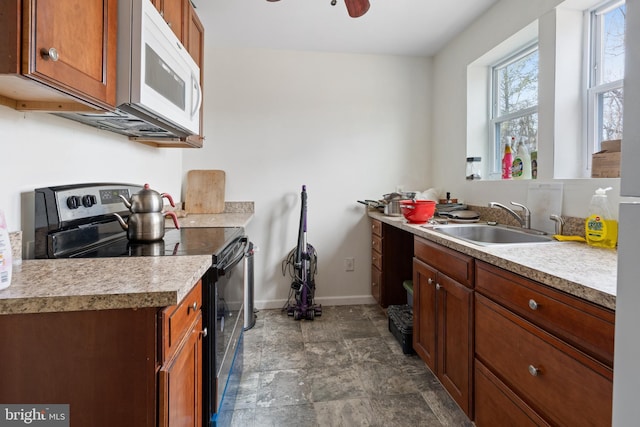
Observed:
{"x":601,"y":229}
{"x":507,"y":159}
{"x":534,"y":164}
{"x":5,"y":254}
{"x":521,"y":168}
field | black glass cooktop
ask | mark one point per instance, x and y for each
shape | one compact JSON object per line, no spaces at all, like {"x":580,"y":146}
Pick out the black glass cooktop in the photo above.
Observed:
{"x":185,"y":241}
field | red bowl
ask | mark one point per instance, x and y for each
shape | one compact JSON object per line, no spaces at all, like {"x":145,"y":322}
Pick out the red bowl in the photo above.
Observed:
{"x":417,"y":211}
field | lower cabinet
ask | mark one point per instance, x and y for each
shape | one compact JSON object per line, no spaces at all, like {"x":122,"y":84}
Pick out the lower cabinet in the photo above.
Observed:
{"x":180,"y":376}
{"x":180,"y":381}
{"x":509,"y":350}
{"x":443,"y":316}
{"x":538,"y":361}
{"x":391,"y":253}
{"x":120,"y":367}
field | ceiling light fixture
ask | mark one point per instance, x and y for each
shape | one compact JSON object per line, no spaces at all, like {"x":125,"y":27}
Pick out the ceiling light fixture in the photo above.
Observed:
{"x":356,"y":8}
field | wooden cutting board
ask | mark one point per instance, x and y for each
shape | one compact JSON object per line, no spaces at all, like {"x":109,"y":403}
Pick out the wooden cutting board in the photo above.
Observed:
{"x":205,"y":191}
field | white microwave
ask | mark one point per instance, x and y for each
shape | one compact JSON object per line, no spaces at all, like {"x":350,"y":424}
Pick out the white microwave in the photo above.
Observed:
{"x":157,"y":81}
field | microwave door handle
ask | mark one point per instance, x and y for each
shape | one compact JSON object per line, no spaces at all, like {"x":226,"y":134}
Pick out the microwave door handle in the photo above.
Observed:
{"x":196,"y":85}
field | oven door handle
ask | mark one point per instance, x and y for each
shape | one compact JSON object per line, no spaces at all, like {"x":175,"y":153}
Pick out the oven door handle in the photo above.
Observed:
{"x":236,"y":260}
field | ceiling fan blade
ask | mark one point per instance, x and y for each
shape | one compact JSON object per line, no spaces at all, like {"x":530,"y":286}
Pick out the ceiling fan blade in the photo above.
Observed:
{"x":357,"y":8}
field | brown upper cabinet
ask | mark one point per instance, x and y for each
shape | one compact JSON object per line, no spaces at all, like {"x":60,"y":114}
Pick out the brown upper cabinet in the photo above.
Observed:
{"x":175,"y":14}
{"x":194,"y":43}
{"x":59,"y":56}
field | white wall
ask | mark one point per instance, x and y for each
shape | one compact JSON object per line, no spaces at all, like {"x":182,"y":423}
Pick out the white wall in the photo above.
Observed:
{"x":39,"y":149}
{"x":348,"y":126}
{"x":449,"y":118}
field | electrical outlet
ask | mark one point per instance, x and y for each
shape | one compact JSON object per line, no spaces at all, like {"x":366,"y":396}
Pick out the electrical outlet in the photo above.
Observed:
{"x":349,"y":264}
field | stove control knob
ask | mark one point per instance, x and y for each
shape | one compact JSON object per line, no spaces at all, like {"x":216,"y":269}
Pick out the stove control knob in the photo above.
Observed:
{"x":88,"y":200}
{"x":73,"y":202}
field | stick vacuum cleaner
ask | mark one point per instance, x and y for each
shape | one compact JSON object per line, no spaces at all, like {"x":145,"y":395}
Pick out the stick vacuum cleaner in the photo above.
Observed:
{"x":302,"y":265}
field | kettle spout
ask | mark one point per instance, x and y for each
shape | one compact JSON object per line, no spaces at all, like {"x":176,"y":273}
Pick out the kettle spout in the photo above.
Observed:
{"x":125,"y":201}
{"x":123,"y":224}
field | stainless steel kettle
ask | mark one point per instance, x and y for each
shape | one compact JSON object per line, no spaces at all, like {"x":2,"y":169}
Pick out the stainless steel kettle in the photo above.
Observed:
{"x":146,"y":200}
{"x":146,"y":227}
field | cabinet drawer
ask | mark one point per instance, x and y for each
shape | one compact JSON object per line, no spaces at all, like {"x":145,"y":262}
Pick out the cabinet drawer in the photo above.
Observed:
{"x":559,"y":382}
{"x":176,"y":320}
{"x":376,"y":259}
{"x":452,"y":263}
{"x":584,"y":325}
{"x":496,"y":405}
{"x":376,"y":243}
{"x":376,"y":283}
{"x":376,"y":227}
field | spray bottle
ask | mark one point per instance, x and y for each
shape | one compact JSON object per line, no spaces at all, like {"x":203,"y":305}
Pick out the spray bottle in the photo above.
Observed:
{"x":507,"y":159}
{"x":601,"y":229}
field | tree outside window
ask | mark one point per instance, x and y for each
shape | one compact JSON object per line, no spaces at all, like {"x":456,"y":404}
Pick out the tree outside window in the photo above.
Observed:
{"x":605,"y":93}
{"x":515,"y":102}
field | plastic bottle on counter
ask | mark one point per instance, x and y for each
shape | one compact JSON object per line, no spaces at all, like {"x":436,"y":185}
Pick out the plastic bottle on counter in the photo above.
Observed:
{"x":521,"y":163}
{"x":507,"y":159}
{"x":534,"y":164}
{"x":6,"y":263}
{"x":601,"y":229}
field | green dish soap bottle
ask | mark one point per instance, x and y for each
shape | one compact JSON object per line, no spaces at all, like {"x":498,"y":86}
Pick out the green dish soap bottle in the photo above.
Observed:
{"x":601,"y":229}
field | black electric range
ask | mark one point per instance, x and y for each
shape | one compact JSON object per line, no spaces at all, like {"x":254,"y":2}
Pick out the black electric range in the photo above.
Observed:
{"x":78,"y":221}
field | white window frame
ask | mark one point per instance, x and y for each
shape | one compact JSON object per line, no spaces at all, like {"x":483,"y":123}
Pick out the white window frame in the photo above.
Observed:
{"x":595,"y":89}
{"x":495,"y":119}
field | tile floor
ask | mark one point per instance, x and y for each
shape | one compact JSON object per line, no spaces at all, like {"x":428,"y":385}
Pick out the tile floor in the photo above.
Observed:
{"x":342,"y":369}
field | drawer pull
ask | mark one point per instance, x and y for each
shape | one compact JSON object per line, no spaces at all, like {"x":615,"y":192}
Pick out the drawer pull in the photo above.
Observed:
{"x":533,"y":305}
{"x":438,"y":286}
{"x":533,"y":371}
{"x":204,"y":332}
{"x":430,"y":281}
{"x":193,"y":307}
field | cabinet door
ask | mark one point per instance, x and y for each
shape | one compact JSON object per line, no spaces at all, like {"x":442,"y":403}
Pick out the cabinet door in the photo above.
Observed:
{"x":181,"y":383}
{"x":424,"y":313}
{"x":173,"y":12}
{"x":72,"y":46}
{"x":195,"y":38}
{"x":455,"y":357}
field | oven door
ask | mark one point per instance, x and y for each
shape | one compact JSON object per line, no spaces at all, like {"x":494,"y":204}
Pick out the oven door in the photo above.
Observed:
{"x":227,"y":315}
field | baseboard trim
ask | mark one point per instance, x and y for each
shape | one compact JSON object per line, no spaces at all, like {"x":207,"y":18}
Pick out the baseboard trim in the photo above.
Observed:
{"x":328,"y":301}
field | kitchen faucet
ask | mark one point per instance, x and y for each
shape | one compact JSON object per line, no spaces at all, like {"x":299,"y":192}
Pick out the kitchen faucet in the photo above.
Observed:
{"x":524,"y":220}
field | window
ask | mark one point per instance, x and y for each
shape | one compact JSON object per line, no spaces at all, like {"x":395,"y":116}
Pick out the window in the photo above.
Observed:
{"x":514,"y":102}
{"x":606,"y":73}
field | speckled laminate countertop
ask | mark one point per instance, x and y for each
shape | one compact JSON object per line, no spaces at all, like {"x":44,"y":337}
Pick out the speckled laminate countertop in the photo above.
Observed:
{"x":56,"y":285}
{"x":575,"y":268}
{"x":212,"y":220}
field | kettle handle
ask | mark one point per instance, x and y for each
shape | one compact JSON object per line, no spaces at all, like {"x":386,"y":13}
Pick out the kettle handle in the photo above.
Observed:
{"x":168,"y":196}
{"x":175,"y":218}
{"x":126,"y":202}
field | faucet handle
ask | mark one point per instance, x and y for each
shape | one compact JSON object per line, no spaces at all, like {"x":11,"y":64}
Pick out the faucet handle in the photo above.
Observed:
{"x":524,"y":208}
{"x":526,"y":221}
{"x":559,"y":223}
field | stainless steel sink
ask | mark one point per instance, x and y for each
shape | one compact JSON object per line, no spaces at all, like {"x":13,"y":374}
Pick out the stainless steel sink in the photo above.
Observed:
{"x":484,"y":234}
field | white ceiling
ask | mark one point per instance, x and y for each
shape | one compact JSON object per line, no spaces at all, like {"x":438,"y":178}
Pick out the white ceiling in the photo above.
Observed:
{"x":396,"y":27}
